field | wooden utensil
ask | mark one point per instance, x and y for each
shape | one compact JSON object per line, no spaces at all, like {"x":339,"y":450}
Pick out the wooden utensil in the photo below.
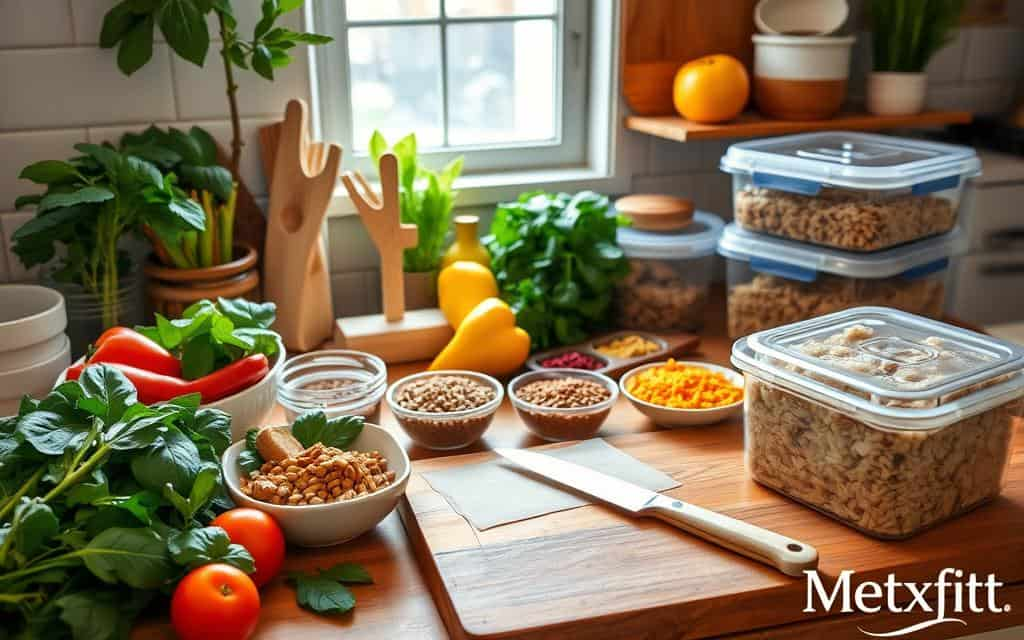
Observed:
{"x":296,"y":276}
{"x":656,"y":212}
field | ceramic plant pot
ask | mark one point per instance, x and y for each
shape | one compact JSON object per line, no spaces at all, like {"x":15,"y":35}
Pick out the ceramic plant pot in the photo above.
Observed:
{"x":420,"y":289}
{"x":892,"y":93}
{"x":170,"y":291}
{"x":801,"y":77}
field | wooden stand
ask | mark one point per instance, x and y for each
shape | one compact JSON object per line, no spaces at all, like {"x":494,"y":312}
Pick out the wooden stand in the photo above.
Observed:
{"x":296,"y":275}
{"x":394,"y":336}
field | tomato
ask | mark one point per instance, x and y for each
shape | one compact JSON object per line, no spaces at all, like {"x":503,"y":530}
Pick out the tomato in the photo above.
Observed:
{"x":215,"y":602}
{"x":261,"y":536}
{"x":711,"y":89}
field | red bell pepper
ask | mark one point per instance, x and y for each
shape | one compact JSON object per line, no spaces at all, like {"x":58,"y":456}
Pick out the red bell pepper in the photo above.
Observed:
{"x":155,"y":387}
{"x":121,"y":345}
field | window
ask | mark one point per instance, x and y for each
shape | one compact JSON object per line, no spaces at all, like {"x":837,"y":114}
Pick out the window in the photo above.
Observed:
{"x":503,"y":82}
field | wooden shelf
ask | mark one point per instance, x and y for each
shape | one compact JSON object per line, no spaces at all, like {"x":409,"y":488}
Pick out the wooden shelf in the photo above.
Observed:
{"x":751,"y":125}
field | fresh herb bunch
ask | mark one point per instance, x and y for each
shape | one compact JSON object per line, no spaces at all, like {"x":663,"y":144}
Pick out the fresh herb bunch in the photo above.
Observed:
{"x":907,"y":33}
{"x":103,"y":506}
{"x":192,"y":156}
{"x":425,"y":197}
{"x":130,"y":26}
{"x":210,"y":335}
{"x":556,"y":261}
{"x":90,"y":202}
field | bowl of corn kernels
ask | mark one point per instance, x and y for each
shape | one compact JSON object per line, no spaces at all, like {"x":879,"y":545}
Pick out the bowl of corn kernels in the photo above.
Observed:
{"x":680,"y":394}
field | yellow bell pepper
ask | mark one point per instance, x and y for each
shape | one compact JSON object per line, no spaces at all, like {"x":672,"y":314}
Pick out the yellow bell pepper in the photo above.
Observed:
{"x":461,"y":286}
{"x":487,"y":341}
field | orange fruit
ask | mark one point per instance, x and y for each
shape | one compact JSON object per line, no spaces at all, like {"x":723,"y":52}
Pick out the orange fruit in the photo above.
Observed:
{"x":714,"y":88}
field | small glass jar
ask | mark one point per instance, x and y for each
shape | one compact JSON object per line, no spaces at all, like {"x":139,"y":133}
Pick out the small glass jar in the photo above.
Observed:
{"x":336,"y":381}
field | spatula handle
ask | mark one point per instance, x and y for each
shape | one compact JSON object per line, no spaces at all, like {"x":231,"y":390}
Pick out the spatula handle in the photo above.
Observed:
{"x":789,"y":556}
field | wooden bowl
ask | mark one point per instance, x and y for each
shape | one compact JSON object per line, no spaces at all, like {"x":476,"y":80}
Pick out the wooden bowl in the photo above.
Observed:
{"x":170,"y":291}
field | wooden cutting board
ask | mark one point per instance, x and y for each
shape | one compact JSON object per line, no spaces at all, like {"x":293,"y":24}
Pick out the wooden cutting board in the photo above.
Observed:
{"x":594,"y":573}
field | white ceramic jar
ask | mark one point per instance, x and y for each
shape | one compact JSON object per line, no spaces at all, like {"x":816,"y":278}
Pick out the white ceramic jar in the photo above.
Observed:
{"x":801,"y":77}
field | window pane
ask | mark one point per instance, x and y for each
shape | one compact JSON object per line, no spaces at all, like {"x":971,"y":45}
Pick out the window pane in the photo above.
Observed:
{"x":390,"y":9}
{"x":501,"y":82}
{"x":473,"y":8}
{"x":396,"y":83}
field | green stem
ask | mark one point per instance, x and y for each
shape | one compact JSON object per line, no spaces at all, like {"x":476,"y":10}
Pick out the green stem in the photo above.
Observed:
{"x":207,"y":236}
{"x":227,"y":38}
{"x":59,"y":561}
{"x":177,"y":255}
{"x":226,"y":233}
{"x":25,"y":488}
{"x":78,"y":474}
{"x":18,"y":598}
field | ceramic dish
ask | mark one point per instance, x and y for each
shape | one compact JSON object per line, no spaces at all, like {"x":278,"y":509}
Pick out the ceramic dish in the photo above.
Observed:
{"x":557,"y":424}
{"x":322,"y":525}
{"x":451,"y":430}
{"x":670,"y":344}
{"x":34,"y":380}
{"x":32,"y":318}
{"x":671,"y":417}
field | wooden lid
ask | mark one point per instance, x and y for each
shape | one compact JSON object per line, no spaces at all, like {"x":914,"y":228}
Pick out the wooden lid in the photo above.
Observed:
{"x":655,"y":212}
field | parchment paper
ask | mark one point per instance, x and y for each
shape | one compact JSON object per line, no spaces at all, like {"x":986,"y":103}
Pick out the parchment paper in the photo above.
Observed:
{"x":494,"y":493}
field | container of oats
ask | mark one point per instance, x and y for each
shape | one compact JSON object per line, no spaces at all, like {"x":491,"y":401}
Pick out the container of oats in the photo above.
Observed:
{"x":886,"y":421}
{"x":772,"y":281}
{"x":445,"y":409}
{"x":670,"y":274}
{"x":851,"y":191}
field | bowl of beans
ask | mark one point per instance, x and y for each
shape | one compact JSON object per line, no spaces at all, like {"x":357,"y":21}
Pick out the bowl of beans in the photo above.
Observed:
{"x":445,"y":410}
{"x":563,"y":404}
{"x":679,"y":394}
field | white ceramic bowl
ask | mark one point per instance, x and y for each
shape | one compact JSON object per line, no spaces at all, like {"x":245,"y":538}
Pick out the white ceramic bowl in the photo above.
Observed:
{"x":800,"y":17}
{"x":249,"y":408}
{"x":32,"y":323}
{"x":322,"y":525}
{"x":35,"y":380}
{"x":672,"y":417}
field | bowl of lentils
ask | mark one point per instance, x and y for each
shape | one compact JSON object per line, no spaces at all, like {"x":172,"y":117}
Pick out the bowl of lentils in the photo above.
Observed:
{"x":445,"y":410}
{"x":563,"y":404}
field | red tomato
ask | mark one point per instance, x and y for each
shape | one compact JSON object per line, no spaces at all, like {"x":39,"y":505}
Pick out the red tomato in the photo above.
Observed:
{"x":261,"y":536}
{"x":215,"y":602}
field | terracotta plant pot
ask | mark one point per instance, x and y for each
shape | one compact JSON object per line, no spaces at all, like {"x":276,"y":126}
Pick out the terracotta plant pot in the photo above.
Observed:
{"x":420,"y":289}
{"x":170,"y":291}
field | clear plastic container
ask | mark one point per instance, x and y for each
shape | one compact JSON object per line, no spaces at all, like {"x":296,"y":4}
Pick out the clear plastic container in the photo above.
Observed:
{"x":852,"y":191}
{"x":670,"y":273}
{"x":772,"y":281}
{"x":336,"y":381}
{"x":889,"y":422}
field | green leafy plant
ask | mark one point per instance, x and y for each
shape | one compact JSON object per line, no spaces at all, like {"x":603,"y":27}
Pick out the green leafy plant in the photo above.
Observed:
{"x":104,"y":506}
{"x":130,"y":26}
{"x":324,"y":591}
{"x":309,"y":428}
{"x":192,"y":156}
{"x":556,"y":261}
{"x":90,"y":202}
{"x":210,"y":335}
{"x":907,"y":33}
{"x":426,"y":199}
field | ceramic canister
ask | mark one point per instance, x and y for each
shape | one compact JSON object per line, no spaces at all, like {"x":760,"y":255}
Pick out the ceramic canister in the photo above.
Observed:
{"x":801,"y":77}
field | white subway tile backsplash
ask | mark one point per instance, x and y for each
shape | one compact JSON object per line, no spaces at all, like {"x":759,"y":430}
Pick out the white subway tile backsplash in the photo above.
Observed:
{"x":715,"y":193}
{"x":994,"y":53}
{"x":17,"y":150}
{"x":947,"y":65}
{"x":985,"y":98}
{"x":57,"y":88}
{"x":350,"y":293}
{"x":38,"y":23}
{"x":9,"y":223}
{"x":351,"y":247}
{"x":685,"y":185}
{"x":671,"y":156}
{"x":4,"y":274}
{"x":200,"y":90}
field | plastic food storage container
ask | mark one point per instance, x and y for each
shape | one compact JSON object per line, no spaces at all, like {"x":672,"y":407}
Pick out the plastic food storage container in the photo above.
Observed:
{"x":853,"y":191}
{"x":886,"y":421}
{"x":772,"y":282}
{"x":337,"y":381}
{"x":670,"y":272}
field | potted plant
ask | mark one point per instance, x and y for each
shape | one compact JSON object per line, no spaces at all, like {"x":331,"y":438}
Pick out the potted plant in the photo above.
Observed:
{"x":426,"y":199}
{"x":905,"y":35}
{"x":210,"y":260}
{"x":90,"y":203}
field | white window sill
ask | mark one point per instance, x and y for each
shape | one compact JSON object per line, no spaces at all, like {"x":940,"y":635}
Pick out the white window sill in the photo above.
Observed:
{"x":489,"y":189}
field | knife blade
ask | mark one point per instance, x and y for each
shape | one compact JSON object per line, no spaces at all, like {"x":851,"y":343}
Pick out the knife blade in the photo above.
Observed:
{"x":789,"y":556}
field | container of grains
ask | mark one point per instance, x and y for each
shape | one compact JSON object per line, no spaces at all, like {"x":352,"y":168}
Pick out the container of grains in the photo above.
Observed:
{"x":886,"y":421}
{"x":852,"y":191}
{"x":772,"y":281}
{"x":447,"y":409}
{"x":670,"y":273}
{"x":563,"y":404}
{"x":337,"y":382}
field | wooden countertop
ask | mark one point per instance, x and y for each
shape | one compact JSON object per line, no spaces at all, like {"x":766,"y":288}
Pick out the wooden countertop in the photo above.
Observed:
{"x":399,"y":605}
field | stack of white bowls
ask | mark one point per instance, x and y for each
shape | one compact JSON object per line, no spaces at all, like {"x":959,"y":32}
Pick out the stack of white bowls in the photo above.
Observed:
{"x":34,"y":350}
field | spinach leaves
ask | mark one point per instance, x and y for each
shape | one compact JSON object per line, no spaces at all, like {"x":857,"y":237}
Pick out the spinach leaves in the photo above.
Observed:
{"x":309,"y":428}
{"x":325,"y":591}
{"x":556,"y":261}
{"x":103,"y":503}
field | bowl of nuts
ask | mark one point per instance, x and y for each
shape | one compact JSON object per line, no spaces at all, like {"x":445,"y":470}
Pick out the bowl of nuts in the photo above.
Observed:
{"x":320,"y":495}
{"x":563,"y":404}
{"x":447,"y":409}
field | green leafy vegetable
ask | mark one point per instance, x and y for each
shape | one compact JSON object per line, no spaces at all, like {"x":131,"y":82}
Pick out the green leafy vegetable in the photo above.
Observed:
{"x":196,"y":547}
{"x":323,"y":591}
{"x":556,"y":261}
{"x":250,"y":459}
{"x":314,"y":426}
{"x":425,"y":197}
{"x":907,"y":33}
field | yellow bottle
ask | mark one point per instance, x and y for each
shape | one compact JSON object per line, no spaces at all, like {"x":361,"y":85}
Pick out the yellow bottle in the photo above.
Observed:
{"x":467,"y":244}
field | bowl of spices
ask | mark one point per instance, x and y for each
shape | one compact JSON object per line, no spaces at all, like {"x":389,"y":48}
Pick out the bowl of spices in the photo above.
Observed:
{"x":629,"y":345}
{"x":338,"y":382}
{"x":447,"y":409}
{"x":563,"y":404}
{"x":573,"y":360}
{"x":678,"y":394}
